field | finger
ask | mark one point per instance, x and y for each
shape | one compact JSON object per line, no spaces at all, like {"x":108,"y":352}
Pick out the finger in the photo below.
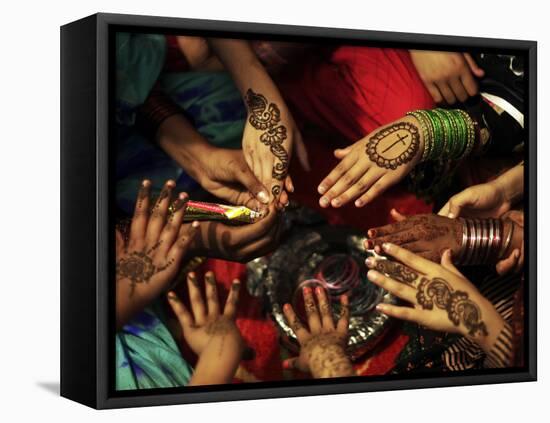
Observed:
{"x":340,"y":153}
{"x":246,"y":177}
{"x":505,"y":266}
{"x":343,"y":320}
{"x":119,"y":242}
{"x":358,"y":188}
{"x":179,"y":309}
{"x":261,"y":246}
{"x":249,"y":233}
{"x":446,"y":92}
{"x":325,"y":309}
{"x":138,"y":226}
{"x":312,"y":313}
{"x":283,"y":199}
{"x":375,"y":190}
{"x":158,"y":214}
{"x":401,"y":238}
{"x":289,"y":185}
{"x":230,"y":309}
{"x":476,"y":70}
{"x":336,"y":173}
{"x":403,"y":313}
{"x":171,"y":229}
{"x":390,"y":229}
{"x":458,"y":89}
{"x":447,"y":263}
{"x":295,"y":324}
{"x":212,"y":300}
{"x":469,"y":83}
{"x":347,"y":181}
{"x":397,"y":216}
{"x":399,"y":289}
{"x":457,"y":202}
{"x":409,"y":259}
{"x":180,"y":247}
{"x":435,"y":93}
{"x":195,"y":298}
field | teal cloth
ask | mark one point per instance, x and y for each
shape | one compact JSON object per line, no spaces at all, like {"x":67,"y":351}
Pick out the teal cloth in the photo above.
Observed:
{"x":147,"y":355}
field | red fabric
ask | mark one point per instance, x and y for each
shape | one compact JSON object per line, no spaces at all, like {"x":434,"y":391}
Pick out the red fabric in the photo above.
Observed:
{"x":353,"y":92}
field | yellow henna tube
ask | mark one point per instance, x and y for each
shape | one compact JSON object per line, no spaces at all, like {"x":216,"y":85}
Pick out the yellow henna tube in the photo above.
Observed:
{"x":198,"y":210}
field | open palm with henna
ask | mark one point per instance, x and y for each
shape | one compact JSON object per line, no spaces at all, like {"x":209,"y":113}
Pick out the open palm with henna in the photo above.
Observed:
{"x":373,"y":164}
{"x":149,"y":259}
{"x":323,"y":346}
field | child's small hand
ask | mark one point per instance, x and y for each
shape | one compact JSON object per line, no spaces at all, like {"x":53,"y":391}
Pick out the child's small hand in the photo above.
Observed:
{"x":373,"y":164}
{"x":323,"y":347}
{"x":210,"y":333}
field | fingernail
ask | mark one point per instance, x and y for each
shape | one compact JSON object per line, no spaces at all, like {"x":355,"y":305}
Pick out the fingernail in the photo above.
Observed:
{"x":386,"y":246}
{"x":263,"y":197}
{"x":344,"y":299}
{"x":358,"y":203}
{"x":321,"y":189}
{"x":324,"y":202}
{"x":146,"y":182}
{"x":370,"y":261}
{"x":372,"y":275}
{"x":307,"y":290}
{"x":291,"y":187}
{"x":170,"y":183}
{"x":381,"y":307}
{"x":451,"y":216}
{"x":195,"y":224}
{"x":318,"y":290}
{"x":286,"y":307}
{"x":336,"y":203}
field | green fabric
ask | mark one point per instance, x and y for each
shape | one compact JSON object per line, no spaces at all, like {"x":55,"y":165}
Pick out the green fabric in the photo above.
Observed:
{"x":147,"y":355}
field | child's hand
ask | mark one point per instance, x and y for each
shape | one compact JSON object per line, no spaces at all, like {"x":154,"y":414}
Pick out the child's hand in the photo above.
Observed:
{"x":372,"y":165}
{"x":210,"y":333}
{"x":148,"y":262}
{"x":323,"y":347}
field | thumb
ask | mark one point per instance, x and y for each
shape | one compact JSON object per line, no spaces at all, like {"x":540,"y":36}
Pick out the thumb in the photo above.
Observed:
{"x":476,"y":70}
{"x":245,"y":176}
{"x":454,"y":206}
{"x":340,"y":153}
{"x":447,"y":263}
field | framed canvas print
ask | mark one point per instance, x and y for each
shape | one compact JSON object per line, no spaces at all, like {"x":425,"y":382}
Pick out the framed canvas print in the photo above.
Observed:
{"x":257,"y":211}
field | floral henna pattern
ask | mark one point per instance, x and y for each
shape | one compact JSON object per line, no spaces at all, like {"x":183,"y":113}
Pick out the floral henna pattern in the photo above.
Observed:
{"x":397,"y":271}
{"x":138,"y":267}
{"x":459,"y":308}
{"x":266,"y":116}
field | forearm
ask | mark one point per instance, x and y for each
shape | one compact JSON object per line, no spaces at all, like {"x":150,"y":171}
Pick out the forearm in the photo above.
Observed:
{"x":183,"y":143}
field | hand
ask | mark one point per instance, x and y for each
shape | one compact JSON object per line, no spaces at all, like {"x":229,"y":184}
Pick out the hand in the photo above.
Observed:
{"x":212,"y":335}
{"x":148,"y":262}
{"x":323,"y":347}
{"x":440,"y":297}
{"x":238,"y":243}
{"x":268,"y":139}
{"x":427,"y":235}
{"x":447,"y":76}
{"x":479,"y":201}
{"x":225,"y":174}
{"x":372,"y":165}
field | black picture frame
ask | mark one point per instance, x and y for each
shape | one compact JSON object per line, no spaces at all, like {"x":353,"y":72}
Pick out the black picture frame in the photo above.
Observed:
{"x":86,"y":199}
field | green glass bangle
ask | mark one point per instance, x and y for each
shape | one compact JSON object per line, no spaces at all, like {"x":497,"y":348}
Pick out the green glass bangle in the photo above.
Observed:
{"x":460,"y":136}
{"x":463,"y":132}
{"x":448,"y":144}
{"x":471,"y":133}
{"x":438,"y":142}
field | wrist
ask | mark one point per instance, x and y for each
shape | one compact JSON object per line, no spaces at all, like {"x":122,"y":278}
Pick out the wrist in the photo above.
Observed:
{"x":422,"y":132}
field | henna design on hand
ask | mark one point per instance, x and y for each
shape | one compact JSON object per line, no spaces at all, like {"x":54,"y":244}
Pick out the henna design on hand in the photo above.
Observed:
{"x":460,"y":309}
{"x":138,"y":267}
{"x":394,"y":145}
{"x":326,"y":355}
{"x":397,"y":271}
{"x":266,"y":117}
